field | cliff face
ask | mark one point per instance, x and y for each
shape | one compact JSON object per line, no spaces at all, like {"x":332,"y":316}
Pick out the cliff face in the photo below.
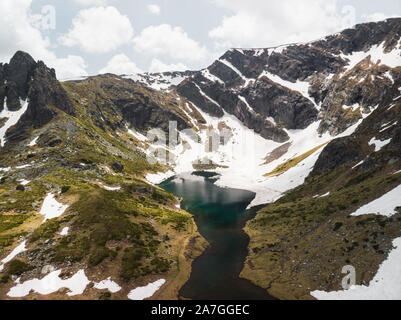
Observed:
{"x":298,"y":84}
{"x":24,"y":79}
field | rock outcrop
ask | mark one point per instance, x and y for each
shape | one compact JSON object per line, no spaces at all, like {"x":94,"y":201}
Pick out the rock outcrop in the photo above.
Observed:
{"x":24,"y":79}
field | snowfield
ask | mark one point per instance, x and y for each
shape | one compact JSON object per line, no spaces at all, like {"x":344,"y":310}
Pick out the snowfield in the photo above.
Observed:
{"x":242,"y":159}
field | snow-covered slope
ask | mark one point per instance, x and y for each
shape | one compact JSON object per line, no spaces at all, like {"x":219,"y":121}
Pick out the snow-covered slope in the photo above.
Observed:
{"x":241,"y":162}
{"x":160,"y":81}
{"x":157,"y":81}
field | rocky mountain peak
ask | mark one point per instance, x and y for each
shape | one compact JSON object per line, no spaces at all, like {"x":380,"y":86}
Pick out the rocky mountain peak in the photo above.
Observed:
{"x":25,"y":79}
{"x":337,"y":80}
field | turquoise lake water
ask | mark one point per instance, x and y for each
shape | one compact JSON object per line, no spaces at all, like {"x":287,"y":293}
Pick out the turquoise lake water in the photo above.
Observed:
{"x":220,"y":214}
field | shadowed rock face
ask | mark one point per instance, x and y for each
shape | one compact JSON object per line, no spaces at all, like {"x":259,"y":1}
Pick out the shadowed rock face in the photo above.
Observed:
{"x":288,"y":108}
{"x":338,"y":153}
{"x":298,"y":62}
{"x":18,"y":74}
{"x":22,"y":79}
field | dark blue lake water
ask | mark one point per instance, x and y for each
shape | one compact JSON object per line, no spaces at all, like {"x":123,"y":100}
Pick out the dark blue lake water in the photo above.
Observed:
{"x":220,"y":214}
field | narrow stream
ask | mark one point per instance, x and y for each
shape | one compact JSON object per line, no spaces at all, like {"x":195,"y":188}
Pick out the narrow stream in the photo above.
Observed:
{"x":220,"y":214}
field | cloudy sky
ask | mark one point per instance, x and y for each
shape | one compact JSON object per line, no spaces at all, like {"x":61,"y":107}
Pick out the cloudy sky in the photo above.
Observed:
{"x":87,"y":37}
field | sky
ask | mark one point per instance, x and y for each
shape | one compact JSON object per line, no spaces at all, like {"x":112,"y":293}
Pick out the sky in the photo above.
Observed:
{"x":88,"y":37}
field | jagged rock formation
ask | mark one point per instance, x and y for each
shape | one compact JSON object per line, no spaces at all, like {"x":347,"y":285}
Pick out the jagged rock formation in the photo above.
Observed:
{"x":24,"y":79}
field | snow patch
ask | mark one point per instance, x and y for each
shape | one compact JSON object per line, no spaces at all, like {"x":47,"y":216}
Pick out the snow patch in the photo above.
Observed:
{"x":51,"y":283}
{"x":19,"y":249}
{"x":157,"y":81}
{"x":23,"y":166}
{"x":51,"y":208}
{"x":112,"y":188}
{"x":378,"y":143}
{"x":388,"y":126}
{"x":322,"y":196}
{"x":353,"y":108}
{"x":33,"y":142}
{"x":148,"y":291}
{"x":158,"y":178}
{"x":206,"y":96}
{"x":65,"y":231}
{"x":386,"y":285}
{"x":247,"y":104}
{"x":228,"y":64}
{"x":358,"y":164}
{"x":299,"y":86}
{"x":208,"y":75}
{"x":12,"y":119}
{"x":109,"y":188}
{"x":391,"y":59}
{"x":385,"y":205}
{"x":108,"y":284}
{"x":137,"y":135}
{"x":24,"y":182}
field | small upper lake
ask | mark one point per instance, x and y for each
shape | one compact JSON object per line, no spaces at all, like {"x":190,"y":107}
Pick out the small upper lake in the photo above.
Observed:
{"x":220,"y":214}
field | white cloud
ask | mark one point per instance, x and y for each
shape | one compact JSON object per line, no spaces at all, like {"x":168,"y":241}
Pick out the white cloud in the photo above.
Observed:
{"x":120,"y":64}
{"x":98,"y":30}
{"x":90,"y":3}
{"x":69,"y":67}
{"x":173,"y":42}
{"x":154,"y":9}
{"x":18,"y":33}
{"x":260,"y":23}
{"x":159,"y":66}
{"x":377,"y":16}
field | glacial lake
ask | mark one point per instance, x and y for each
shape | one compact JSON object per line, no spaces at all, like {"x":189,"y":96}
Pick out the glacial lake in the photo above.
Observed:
{"x":220,"y":214}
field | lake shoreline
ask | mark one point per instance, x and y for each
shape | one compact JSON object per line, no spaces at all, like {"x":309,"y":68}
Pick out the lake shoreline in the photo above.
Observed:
{"x":221,"y":216}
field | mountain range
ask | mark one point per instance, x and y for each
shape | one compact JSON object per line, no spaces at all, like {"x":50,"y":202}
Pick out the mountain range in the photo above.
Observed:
{"x":313,"y":129}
